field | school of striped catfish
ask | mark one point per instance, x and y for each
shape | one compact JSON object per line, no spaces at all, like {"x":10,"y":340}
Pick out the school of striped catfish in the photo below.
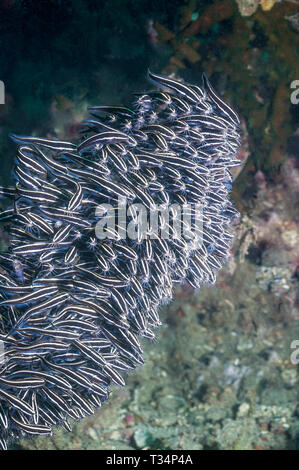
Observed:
{"x":74,"y":306}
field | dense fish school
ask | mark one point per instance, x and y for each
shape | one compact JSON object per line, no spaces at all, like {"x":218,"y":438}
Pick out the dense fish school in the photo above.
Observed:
{"x":73,"y":307}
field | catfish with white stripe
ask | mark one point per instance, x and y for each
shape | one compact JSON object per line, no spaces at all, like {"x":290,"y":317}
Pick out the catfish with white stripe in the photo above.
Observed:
{"x":32,"y":297}
{"x":223,"y":107}
{"x":176,"y":86}
{"x":60,"y":334}
{"x":103,"y":138}
{"x":26,"y":159}
{"x":48,"y":143}
{"x":33,"y":428}
{"x":43,"y":197}
{"x":16,"y":402}
{"x":22,"y":383}
{"x":46,"y":377}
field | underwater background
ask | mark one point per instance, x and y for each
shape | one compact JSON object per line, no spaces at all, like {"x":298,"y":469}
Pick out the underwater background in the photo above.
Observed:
{"x":221,"y":375}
